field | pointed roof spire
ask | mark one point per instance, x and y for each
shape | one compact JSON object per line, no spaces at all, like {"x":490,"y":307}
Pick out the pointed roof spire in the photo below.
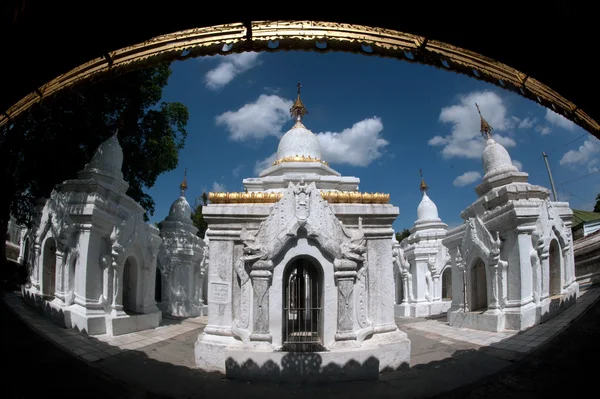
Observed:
{"x":486,"y":129}
{"x":183,"y":186}
{"x":423,"y":186}
{"x":298,"y":110}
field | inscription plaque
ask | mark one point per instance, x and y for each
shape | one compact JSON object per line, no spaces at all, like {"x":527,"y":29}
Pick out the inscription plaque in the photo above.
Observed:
{"x":219,"y":292}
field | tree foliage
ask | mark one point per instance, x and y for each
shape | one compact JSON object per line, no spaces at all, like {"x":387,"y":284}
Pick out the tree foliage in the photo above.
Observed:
{"x":58,"y":136}
{"x":197,"y":217}
{"x":402,"y":235}
{"x":597,"y":206}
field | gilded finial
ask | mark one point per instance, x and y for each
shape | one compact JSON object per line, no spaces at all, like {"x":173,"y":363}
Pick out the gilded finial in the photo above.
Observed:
{"x":423,"y":186}
{"x":486,"y":129}
{"x":298,"y":110}
{"x":183,"y":186}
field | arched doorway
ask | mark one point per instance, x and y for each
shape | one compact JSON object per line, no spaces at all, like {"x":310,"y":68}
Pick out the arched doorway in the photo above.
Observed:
{"x":478,"y":297}
{"x":554,"y":265}
{"x":130,"y":285}
{"x":49,"y":267}
{"x":447,"y":284}
{"x":158,"y":286}
{"x":399,"y":289}
{"x":303,"y":301}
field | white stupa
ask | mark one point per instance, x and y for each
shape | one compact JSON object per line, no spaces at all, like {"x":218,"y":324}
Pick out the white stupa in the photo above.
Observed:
{"x":289,"y":279}
{"x":512,"y":260}
{"x":428,"y":260}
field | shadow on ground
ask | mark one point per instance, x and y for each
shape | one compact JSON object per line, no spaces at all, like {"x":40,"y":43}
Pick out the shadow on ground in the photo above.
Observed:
{"x":39,"y":367}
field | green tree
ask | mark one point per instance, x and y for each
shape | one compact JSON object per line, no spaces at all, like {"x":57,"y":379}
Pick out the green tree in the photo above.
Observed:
{"x":597,"y":206}
{"x":402,"y":235}
{"x":55,"y":139}
{"x":197,"y":217}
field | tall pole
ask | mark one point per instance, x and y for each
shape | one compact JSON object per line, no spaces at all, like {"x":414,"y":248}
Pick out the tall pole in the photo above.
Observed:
{"x":550,"y":176}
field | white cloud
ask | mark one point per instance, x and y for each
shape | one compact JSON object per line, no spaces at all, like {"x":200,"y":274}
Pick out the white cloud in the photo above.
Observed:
{"x":526,"y":123}
{"x":466,"y":178}
{"x":586,"y":153}
{"x":465,"y":141}
{"x":543,"y":130}
{"x":559,"y":120}
{"x":518,"y":164}
{"x":218,"y":187}
{"x":262,"y":118}
{"x":358,"y":145}
{"x":229,"y":67}
{"x":264,"y":163}
{"x":236,"y":171}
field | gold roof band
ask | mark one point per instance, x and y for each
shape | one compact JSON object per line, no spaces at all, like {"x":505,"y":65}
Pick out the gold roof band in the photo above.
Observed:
{"x":299,"y":158}
{"x":263,"y":197}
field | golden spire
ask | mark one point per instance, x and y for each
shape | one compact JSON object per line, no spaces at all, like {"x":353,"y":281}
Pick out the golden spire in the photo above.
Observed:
{"x":183,"y":186}
{"x":486,"y":129}
{"x":298,"y":110}
{"x":423,"y":186}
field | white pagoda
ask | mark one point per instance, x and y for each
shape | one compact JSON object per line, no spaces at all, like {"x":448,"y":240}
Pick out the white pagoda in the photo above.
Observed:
{"x":300,"y":280}
{"x":512,"y":259}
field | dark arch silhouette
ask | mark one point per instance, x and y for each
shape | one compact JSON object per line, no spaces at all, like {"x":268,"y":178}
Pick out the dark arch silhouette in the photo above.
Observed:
{"x":540,"y":53}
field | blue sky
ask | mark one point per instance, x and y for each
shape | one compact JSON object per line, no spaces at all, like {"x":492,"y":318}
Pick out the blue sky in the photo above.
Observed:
{"x":378,"y":119}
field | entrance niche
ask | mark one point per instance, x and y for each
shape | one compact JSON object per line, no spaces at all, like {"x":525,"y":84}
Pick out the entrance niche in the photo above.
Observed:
{"x":554,"y":264}
{"x":447,"y":284}
{"x":478,"y":298}
{"x":130,"y":285}
{"x":399,"y":289}
{"x":158,"y":286}
{"x":49,"y":267}
{"x":303,"y":303}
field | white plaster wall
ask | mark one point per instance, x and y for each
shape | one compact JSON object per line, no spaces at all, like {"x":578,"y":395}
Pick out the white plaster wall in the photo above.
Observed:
{"x":220,"y":272}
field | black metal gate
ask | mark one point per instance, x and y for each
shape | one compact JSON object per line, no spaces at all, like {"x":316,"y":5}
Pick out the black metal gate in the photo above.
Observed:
{"x":303,"y":317}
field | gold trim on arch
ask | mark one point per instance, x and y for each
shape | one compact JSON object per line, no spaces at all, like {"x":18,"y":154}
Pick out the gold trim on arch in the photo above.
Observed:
{"x":306,"y":35}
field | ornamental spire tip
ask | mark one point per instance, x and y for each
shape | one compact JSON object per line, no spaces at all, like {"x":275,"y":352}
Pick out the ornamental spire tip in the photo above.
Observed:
{"x":486,"y":129}
{"x":183,"y":186}
{"x":298,"y":110}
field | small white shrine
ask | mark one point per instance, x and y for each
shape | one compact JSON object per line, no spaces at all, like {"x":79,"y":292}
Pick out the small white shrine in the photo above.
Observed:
{"x":512,"y":260}
{"x":300,"y":280}
{"x":423,"y":272}
{"x":181,"y":265}
{"x":94,"y":257}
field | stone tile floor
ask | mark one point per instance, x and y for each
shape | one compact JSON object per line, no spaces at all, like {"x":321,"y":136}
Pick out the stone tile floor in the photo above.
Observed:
{"x":93,"y":349}
{"x":508,"y":340}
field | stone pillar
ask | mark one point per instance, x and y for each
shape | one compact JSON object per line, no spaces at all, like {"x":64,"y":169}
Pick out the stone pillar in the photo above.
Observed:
{"x":22,"y":245}
{"x":459,"y":300}
{"x":261,"y":280}
{"x":220,"y":278}
{"x":493,"y":285}
{"x":345,"y":275}
{"x":60,"y":291}
{"x":436,"y":286}
{"x":117,"y":291}
{"x":35,"y":275}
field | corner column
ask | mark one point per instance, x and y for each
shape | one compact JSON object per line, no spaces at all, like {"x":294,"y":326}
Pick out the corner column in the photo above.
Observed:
{"x":345,"y":275}
{"x":261,"y":275}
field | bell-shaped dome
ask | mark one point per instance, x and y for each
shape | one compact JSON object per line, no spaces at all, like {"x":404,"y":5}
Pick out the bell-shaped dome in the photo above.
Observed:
{"x":299,"y":141}
{"x":180,"y":211}
{"x":427,"y":210}
{"x":496,"y":159}
{"x":108,"y":157}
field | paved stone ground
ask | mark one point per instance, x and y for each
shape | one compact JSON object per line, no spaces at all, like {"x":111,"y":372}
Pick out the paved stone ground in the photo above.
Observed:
{"x":161,"y":360}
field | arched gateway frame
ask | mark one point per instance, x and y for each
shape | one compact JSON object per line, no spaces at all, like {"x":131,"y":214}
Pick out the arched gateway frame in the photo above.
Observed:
{"x":302,"y":307}
{"x":306,"y":35}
